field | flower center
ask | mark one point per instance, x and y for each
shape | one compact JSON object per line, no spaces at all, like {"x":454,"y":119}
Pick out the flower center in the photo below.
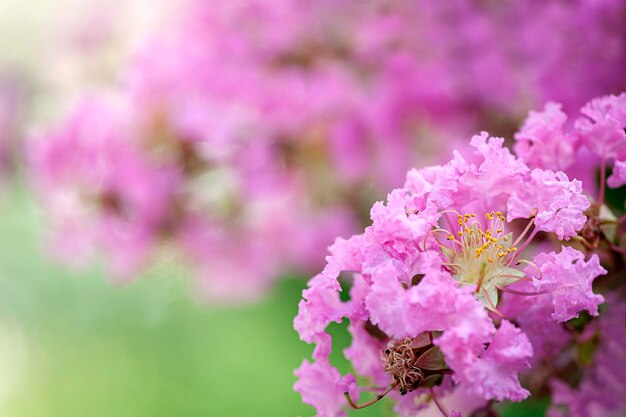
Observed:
{"x":481,"y":254}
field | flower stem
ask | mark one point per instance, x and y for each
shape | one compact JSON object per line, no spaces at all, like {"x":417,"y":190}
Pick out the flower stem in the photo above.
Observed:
{"x":602,"y":181}
{"x":372,"y":401}
{"x":585,"y":243}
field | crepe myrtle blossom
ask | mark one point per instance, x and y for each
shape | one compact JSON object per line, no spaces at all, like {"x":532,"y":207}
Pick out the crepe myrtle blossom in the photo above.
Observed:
{"x":427,"y":275}
{"x":361,"y":82}
{"x":582,"y":146}
{"x":551,"y":139}
{"x":601,"y":129}
{"x":268,"y":142}
{"x":122,"y":186}
{"x":99,"y":187}
{"x":543,"y":140}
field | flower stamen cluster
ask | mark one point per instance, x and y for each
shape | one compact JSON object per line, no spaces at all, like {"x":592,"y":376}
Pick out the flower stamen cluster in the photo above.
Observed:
{"x":481,"y":255}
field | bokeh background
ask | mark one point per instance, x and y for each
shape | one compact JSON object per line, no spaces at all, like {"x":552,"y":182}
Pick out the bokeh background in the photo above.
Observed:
{"x":74,"y":343}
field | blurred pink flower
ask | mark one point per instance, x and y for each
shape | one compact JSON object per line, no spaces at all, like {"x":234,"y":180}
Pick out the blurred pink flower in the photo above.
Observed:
{"x":601,"y":128}
{"x":255,"y":147}
{"x":100,"y":189}
{"x":543,"y":142}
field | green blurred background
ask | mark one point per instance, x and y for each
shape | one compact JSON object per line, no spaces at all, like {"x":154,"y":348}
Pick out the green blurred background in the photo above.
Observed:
{"x":74,"y":344}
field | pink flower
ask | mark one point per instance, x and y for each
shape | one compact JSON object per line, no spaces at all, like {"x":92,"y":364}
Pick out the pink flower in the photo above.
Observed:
{"x":320,"y":305}
{"x":601,"y":128}
{"x":618,"y":178}
{"x":418,"y":273}
{"x":364,"y":354}
{"x":408,"y":283}
{"x":542,"y":142}
{"x":441,"y":260}
{"x":567,"y":278}
{"x":437,"y":303}
{"x":489,"y":182}
{"x":533,"y":315}
{"x":268,"y":135}
{"x":100,"y":188}
{"x":495,"y":373}
{"x":557,"y":203}
{"x":323,"y":387}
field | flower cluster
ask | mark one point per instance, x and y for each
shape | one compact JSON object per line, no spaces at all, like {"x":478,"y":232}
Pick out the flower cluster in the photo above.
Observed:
{"x":248,"y":150}
{"x":478,"y":269}
{"x":126,"y":189}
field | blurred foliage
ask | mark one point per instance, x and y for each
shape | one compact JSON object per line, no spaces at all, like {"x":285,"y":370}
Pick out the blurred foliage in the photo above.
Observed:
{"x":74,"y":344}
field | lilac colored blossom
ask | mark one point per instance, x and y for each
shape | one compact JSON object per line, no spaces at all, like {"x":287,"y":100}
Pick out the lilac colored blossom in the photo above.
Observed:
{"x":495,"y":373}
{"x":425,"y":268}
{"x":618,"y":178}
{"x":583,"y":361}
{"x":490,"y":177}
{"x":543,"y":142}
{"x":556,"y":203}
{"x":568,"y":278}
{"x":118,"y":202}
{"x":322,"y":386}
{"x":137,"y":193}
{"x":601,"y":128}
{"x":534,"y":317}
{"x":593,"y":142}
